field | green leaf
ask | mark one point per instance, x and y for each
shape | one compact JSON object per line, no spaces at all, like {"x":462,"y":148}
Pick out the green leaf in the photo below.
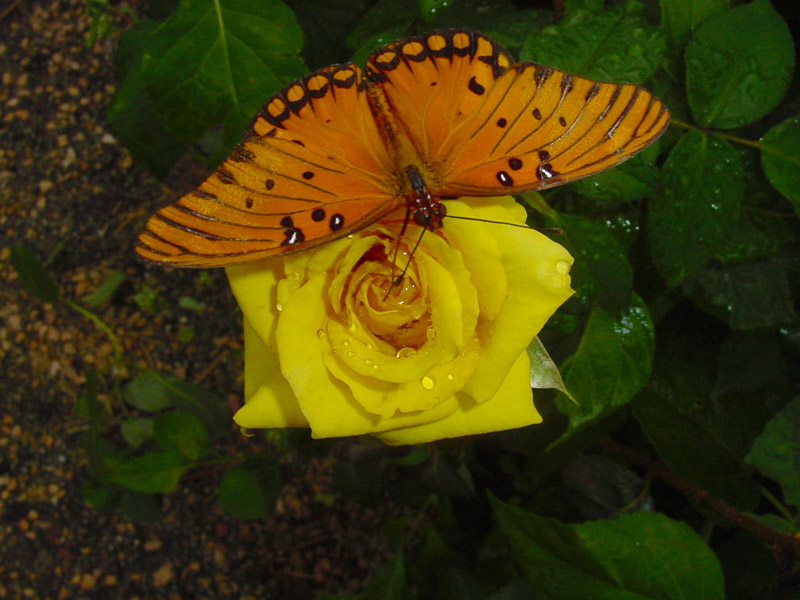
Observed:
{"x":684,"y":422}
{"x":153,"y":391}
{"x":633,"y":179}
{"x":601,"y":271}
{"x":776,"y":452}
{"x":325,"y":28}
{"x":680,"y":17}
{"x":137,"y":431}
{"x":544,"y":371}
{"x":747,"y":297}
{"x":703,"y":189}
{"x":389,"y":583}
{"x":192,"y":304}
{"x":749,"y":566}
{"x":218,"y":61}
{"x":612,"y":363}
{"x":103,"y":292}
{"x":615,"y":45}
{"x":183,"y":433}
{"x":131,"y":113}
{"x":428,"y":9}
{"x":140,"y":508}
{"x":149,"y":391}
{"x":738,"y":65}
{"x":99,"y":494}
{"x":385,"y":22}
{"x":633,"y":557}
{"x":780,"y":155}
{"x":150,"y":473}
{"x":241,"y":495}
{"x":751,"y":362}
{"x":91,"y":408}
{"x":33,"y":276}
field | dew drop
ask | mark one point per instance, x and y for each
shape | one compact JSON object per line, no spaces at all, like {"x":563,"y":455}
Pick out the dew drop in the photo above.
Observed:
{"x":346,"y":342}
{"x":370,"y":346}
{"x":428,"y":382}
{"x":450,"y":377}
{"x":431,"y":332}
{"x":320,"y":333}
{"x":350,"y":354}
{"x":368,"y":362}
{"x":279,"y":306}
{"x":405,"y":352}
{"x":376,"y":367}
{"x":562,"y":267}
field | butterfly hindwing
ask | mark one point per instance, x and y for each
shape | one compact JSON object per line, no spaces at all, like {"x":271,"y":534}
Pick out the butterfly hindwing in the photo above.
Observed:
{"x":312,"y":169}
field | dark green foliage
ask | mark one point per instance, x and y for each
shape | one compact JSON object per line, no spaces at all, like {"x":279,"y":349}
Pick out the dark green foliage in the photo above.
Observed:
{"x":682,"y":341}
{"x":37,"y":281}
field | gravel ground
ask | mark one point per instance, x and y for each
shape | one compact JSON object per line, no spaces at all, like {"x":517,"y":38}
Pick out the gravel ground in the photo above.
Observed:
{"x":72,"y":194}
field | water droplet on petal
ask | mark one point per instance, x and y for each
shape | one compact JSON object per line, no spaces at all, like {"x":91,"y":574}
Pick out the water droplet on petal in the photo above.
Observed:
{"x":405,"y":353}
{"x":431,"y":332}
{"x":428,"y":382}
{"x":279,"y":306}
{"x":562,"y":267}
{"x":350,"y":354}
{"x":450,"y":377}
{"x":368,"y":361}
{"x":320,"y":333}
{"x":346,"y":342}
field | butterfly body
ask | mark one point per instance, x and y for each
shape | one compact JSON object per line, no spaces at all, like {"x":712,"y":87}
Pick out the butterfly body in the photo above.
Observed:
{"x":442,"y":115}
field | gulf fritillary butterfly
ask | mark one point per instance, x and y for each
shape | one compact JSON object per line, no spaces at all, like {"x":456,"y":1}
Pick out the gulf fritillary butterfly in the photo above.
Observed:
{"x":433,"y":117}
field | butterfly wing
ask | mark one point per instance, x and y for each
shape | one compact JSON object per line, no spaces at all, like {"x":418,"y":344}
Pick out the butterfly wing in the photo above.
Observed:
{"x":485,"y":126}
{"x":313,"y":168}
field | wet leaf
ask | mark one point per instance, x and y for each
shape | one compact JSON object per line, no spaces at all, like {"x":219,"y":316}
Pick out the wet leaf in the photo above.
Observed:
{"x":633,"y":557}
{"x":738,"y":65}
{"x":612,"y":363}
{"x":780,"y":155}
{"x":217,"y":61}
{"x":615,"y":45}
{"x":776,"y":452}
{"x":703,"y":189}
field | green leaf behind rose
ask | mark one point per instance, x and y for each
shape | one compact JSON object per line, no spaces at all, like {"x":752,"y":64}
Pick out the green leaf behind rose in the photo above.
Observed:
{"x":633,"y":557}
{"x":738,"y":65}
{"x":612,"y":363}
{"x":776,"y":452}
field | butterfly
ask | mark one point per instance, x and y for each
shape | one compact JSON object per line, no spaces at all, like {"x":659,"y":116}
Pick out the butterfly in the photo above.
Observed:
{"x":434,"y":117}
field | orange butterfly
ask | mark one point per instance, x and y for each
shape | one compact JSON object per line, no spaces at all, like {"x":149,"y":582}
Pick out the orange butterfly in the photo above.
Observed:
{"x":433,"y":117}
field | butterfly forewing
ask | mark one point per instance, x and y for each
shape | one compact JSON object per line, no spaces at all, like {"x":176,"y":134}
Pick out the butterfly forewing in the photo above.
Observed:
{"x":542,"y":127}
{"x":484,"y":125}
{"x":435,"y":82}
{"x":313,"y":168}
{"x":447,"y":113}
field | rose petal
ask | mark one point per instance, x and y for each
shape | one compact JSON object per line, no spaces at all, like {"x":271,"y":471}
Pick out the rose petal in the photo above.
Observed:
{"x":326,"y":402}
{"x":480,"y":254}
{"x":510,"y":408}
{"x":537,"y":270}
{"x":269,"y":401}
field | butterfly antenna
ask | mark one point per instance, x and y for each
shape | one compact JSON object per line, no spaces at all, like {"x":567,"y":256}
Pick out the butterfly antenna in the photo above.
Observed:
{"x":552,"y":230}
{"x":397,"y":249}
{"x":397,"y":281}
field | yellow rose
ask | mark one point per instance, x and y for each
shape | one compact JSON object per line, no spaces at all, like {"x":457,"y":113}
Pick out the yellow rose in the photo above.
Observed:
{"x":442,"y":355}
